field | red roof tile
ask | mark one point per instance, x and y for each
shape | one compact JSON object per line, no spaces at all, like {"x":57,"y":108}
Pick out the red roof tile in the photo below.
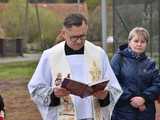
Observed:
{"x":2,"y":6}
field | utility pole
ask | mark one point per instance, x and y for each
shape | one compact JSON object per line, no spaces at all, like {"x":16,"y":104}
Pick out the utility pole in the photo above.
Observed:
{"x":39,"y":26}
{"x":78,"y":4}
{"x":78,"y":1}
{"x":159,"y":32}
{"x":25,"y":27}
{"x":104,"y":23}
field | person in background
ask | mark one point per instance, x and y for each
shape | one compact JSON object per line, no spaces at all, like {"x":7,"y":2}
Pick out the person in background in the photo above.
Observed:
{"x":138,"y":76}
{"x":2,"y":111}
{"x":79,"y":59}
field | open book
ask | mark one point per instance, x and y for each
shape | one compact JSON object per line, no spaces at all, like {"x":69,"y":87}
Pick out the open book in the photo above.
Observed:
{"x":82,"y":89}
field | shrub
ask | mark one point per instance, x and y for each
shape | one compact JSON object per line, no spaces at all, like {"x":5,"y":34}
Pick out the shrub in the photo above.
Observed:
{"x":16,"y":24}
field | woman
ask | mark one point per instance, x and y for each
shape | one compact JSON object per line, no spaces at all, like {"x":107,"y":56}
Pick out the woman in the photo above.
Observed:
{"x":138,"y":77}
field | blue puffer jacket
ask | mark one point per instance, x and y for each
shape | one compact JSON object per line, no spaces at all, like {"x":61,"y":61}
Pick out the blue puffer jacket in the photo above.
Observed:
{"x":138,"y":76}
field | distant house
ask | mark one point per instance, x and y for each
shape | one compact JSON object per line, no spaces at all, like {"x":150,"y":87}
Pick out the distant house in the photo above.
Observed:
{"x":3,"y":6}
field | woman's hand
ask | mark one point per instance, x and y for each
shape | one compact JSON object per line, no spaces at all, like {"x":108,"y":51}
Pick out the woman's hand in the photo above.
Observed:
{"x":138,"y":102}
{"x":142,"y":108}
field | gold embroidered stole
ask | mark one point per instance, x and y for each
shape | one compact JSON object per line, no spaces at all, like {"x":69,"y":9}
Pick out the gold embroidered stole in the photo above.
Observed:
{"x":60,"y":69}
{"x":92,"y":55}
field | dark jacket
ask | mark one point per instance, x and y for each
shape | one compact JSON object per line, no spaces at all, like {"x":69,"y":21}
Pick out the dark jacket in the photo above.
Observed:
{"x":138,"y":76}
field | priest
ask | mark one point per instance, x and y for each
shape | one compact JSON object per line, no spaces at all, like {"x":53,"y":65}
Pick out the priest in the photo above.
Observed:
{"x":79,"y":60}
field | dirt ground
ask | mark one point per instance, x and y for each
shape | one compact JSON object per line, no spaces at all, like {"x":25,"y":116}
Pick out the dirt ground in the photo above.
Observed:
{"x":18,"y":104}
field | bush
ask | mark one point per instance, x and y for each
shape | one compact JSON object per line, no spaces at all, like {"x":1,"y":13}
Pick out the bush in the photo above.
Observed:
{"x":50,"y":24}
{"x":15,"y":24}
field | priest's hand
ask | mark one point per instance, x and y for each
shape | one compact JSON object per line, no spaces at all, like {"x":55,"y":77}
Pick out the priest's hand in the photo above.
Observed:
{"x":60,"y":92}
{"x":101,"y":94}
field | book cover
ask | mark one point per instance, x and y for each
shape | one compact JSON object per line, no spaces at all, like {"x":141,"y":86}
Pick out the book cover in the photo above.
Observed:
{"x":82,"y":89}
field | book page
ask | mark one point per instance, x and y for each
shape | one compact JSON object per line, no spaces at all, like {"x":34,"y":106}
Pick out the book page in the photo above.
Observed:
{"x":82,"y":89}
{"x":98,"y":82}
{"x":98,"y":85}
{"x":76,"y":88}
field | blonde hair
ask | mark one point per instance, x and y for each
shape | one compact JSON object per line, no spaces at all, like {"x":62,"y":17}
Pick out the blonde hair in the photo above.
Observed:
{"x":140,"y":31}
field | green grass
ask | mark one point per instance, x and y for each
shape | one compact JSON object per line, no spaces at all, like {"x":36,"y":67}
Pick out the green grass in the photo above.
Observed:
{"x":17,"y":70}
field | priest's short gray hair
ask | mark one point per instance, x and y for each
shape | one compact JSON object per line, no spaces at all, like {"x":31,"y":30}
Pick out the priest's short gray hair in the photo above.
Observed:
{"x":74,"y":19}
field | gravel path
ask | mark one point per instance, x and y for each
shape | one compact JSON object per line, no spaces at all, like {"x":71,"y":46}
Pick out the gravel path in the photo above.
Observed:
{"x":25,"y":57}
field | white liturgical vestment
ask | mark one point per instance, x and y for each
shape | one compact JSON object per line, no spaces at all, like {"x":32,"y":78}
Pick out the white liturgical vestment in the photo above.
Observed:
{"x":88,"y":67}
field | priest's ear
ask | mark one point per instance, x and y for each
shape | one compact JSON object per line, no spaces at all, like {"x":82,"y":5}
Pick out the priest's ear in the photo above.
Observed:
{"x":61,"y":36}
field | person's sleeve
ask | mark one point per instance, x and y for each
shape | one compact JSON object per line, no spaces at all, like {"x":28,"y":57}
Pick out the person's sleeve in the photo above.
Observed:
{"x":40,"y":85}
{"x":113,"y":86}
{"x":151,"y":93}
{"x":104,"y":102}
{"x":1,"y":103}
{"x":116,"y":65}
{"x":55,"y":101}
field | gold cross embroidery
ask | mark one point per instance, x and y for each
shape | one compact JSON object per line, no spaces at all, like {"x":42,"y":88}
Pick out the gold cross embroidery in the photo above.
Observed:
{"x":58,"y":79}
{"x":95,"y":71}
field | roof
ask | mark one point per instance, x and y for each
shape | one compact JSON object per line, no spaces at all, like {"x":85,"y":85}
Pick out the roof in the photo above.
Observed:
{"x":2,"y":6}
